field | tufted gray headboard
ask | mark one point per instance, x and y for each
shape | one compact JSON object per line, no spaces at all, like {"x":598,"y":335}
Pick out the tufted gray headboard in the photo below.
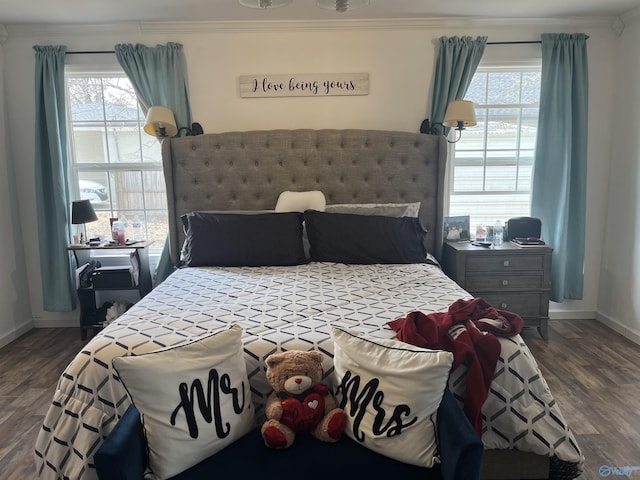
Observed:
{"x":249,"y":170}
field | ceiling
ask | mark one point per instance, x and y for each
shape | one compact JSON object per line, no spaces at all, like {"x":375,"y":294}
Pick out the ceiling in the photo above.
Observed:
{"x":118,"y":11}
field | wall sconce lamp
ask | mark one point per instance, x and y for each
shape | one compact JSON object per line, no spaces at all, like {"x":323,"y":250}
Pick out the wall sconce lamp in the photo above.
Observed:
{"x":160,"y":122}
{"x":460,"y":115}
{"x":82,"y":213}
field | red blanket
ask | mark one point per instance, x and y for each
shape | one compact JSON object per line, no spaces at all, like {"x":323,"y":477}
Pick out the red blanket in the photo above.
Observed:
{"x":463,"y":331}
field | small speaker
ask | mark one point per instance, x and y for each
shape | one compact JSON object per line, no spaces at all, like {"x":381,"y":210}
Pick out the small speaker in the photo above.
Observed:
{"x":523,"y":227}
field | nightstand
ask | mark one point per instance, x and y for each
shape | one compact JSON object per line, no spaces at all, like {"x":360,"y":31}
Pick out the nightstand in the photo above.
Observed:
{"x":86,"y":295}
{"x":517,"y":279}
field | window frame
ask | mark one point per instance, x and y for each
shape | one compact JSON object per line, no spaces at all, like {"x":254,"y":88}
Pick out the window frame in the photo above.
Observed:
{"x":103,"y":67}
{"x":521,"y":66}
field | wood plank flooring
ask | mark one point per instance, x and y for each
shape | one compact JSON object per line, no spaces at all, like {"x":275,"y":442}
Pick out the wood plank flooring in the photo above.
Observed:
{"x":593,"y":373}
{"x":29,"y":371}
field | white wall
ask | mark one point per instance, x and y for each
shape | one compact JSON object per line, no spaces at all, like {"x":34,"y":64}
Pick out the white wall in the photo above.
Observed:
{"x":15,"y":318}
{"x":398,"y":55}
{"x":619,"y":294}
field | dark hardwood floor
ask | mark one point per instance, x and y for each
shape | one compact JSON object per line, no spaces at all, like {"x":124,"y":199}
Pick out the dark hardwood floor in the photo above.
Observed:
{"x":29,"y":371}
{"x":593,"y":373}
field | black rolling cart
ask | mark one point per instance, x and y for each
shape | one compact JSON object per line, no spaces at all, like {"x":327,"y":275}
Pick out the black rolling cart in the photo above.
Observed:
{"x":94,"y":277}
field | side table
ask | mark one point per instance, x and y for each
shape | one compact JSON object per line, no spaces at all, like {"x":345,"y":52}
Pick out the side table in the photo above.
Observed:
{"x":517,"y":279}
{"x":86,"y":295}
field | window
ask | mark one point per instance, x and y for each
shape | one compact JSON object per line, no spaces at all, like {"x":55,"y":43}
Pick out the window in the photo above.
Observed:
{"x":493,"y":161}
{"x":113,"y":162}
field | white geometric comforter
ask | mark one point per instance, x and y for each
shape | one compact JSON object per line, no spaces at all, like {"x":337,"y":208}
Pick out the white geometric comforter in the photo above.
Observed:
{"x":290,"y":308}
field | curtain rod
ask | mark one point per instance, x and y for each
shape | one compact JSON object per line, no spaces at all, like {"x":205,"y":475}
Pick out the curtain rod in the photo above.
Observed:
{"x":88,"y":52}
{"x":515,"y":43}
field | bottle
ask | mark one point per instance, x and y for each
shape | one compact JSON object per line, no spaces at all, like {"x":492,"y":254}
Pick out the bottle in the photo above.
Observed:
{"x":497,"y":234}
{"x":137,"y":229}
{"x":488,"y":233}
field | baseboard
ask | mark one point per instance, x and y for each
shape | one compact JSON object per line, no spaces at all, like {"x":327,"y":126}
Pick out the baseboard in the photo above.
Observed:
{"x":571,"y":315}
{"x":15,"y":333}
{"x":55,"y":322}
{"x":623,"y":330}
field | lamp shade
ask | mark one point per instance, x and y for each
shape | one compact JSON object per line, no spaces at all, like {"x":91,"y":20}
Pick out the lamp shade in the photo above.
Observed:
{"x":460,"y":111}
{"x":82,"y":212}
{"x":160,"y":122}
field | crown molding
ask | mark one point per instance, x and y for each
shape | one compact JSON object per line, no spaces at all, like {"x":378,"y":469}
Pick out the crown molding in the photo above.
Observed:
{"x":302,"y":25}
{"x":368,"y":24}
{"x":66,"y":30}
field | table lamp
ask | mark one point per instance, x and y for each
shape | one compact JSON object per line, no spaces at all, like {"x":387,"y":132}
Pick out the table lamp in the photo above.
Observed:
{"x":81,"y":213}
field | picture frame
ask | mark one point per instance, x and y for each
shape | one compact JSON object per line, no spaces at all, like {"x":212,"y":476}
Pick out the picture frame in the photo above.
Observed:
{"x":456,"y":229}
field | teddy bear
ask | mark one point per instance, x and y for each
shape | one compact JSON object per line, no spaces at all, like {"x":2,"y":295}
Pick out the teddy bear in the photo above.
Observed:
{"x":299,"y":403}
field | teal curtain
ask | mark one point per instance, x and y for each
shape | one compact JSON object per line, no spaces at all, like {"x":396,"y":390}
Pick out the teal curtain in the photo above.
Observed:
{"x":51,"y":184}
{"x":558,"y":195}
{"x":159,"y":77}
{"x":457,"y":61}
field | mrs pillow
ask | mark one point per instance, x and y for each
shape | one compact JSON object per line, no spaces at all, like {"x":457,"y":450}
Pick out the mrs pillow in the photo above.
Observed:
{"x":390,"y":391}
{"x":194,"y":399}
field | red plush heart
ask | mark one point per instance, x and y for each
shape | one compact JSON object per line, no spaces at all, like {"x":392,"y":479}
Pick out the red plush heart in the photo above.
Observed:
{"x":303,"y":416}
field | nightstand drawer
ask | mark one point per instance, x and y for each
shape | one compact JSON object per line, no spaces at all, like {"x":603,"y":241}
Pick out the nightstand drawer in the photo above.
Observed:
{"x":496,"y":282}
{"x":504,"y":263}
{"x":524,"y":304}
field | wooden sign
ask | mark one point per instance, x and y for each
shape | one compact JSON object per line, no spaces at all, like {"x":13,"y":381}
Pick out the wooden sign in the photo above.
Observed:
{"x":304,"y":85}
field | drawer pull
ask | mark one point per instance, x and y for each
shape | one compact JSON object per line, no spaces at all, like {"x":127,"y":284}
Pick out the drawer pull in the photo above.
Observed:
{"x":505,"y":283}
{"x":503,"y":306}
{"x":505,"y":263}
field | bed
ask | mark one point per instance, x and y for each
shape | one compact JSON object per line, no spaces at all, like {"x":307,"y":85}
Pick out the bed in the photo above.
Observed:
{"x":296,"y":306}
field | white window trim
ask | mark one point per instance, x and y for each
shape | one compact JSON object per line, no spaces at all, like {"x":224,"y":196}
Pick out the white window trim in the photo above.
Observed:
{"x":92,"y":65}
{"x":520,"y":65}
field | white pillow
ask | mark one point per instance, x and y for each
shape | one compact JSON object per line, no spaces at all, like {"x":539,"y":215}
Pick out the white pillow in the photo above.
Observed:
{"x":163,"y":385}
{"x":391,"y":392}
{"x":383,"y":209}
{"x":300,"y":201}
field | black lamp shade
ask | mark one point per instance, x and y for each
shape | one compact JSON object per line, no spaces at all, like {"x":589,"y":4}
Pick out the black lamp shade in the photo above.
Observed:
{"x":82,"y":212}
